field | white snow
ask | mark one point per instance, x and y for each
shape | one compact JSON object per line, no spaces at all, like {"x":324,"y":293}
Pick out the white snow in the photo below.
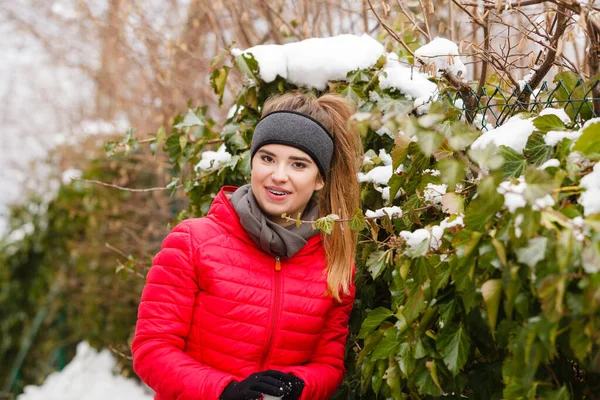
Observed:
{"x":559,"y":112}
{"x":513,"y":133}
{"x":314,"y":62}
{"x":432,"y":172}
{"x":381,"y":174}
{"x":518,"y":221}
{"x":513,"y":194}
{"x":553,"y":162}
{"x":381,"y":212}
{"x":432,"y":234}
{"x":211,"y":160}
{"x":554,"y":137}
{"x":415,"y":238}
{"x":580,"y":231}
{"x":526,"y":79}
{"x":433,"y":193}
{"x":444,"y":53}
{"x":590,"y":199}
{"x":385,"y":192}
{"x":89,"y":376}
{"x":543,"y":202}
{"x":410,"y":82}
{"x":70,"y":174}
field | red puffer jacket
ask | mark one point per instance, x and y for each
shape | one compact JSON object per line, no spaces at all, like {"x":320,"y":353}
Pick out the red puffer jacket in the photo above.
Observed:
{"x":216,"y":308}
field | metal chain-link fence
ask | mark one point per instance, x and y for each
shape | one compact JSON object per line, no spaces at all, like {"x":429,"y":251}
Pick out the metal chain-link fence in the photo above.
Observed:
{"x":494,"y":105}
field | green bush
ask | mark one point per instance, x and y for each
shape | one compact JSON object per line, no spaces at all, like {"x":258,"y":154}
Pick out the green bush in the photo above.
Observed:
{"x":486,"y":285}
{"x":67,"y":276}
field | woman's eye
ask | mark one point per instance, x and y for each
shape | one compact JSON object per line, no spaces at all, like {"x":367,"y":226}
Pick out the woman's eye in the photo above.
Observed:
{"x":299,"y":165}
{"x":267,"y":158}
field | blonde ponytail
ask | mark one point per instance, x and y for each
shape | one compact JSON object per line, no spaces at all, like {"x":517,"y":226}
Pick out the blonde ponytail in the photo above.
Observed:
{"x":341,"y":194}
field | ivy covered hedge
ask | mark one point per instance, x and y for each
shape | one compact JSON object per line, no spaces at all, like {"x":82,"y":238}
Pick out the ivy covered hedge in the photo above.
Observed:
{"x":480,"y":277}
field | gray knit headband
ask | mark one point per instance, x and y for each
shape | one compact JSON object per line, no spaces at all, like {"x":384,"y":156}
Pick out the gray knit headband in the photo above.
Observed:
{"x":297,"y":130}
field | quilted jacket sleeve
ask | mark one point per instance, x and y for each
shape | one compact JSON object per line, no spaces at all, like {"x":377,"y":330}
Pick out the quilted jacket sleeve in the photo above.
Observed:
{"x":164,"y":320}
{"x":325,"y":371}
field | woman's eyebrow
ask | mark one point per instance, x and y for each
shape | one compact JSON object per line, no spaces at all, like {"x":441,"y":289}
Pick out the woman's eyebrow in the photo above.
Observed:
{"x":295,"y":158}
{"x":267,"y":153}
{"x":301,"y":159}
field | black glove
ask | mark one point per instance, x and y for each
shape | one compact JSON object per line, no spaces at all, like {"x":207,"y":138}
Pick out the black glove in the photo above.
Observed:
{"x":271,"y":382}
{"x":295,"y":385}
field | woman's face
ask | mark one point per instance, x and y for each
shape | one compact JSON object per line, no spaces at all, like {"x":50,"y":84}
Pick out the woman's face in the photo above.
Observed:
{"x":283,"y":181}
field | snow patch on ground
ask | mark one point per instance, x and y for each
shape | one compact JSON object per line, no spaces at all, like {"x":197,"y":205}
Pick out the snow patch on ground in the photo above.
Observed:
{"x":89,"y":376}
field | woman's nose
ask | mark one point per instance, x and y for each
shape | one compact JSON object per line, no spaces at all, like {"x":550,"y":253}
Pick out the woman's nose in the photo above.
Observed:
{"x":279,"y":174}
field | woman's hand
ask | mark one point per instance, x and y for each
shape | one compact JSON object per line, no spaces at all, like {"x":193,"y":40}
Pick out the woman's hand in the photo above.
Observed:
{"x":295,"y":385}
{"x":271,"y":382}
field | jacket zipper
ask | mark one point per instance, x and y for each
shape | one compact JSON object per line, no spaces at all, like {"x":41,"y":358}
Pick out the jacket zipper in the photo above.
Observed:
{"x":275,"y":308}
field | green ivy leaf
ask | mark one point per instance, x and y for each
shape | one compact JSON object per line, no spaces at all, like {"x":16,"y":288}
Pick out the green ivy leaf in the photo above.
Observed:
{"x":514,"y":163}
{"x":385,"y":347}
{"x":395,"y":183}
{"x":218,"y":78}
{"x":425,"y":382}
{"x":536,"y":150}
{"x":373,"y":320}
{"x":393,"y":381}
{"x":415,"y":304}
{"x":247,"y":65}
{"x":462,"y":135}
{"x":454,"y":345}
{"x":158,"y":141}
{"x":579,"y":341}
{"x":400,"y":150}
{"x":551,"y":295}
{"x":550,"y":122}
{"x":326,"y":223}
{"x":357,"y":222}
{"x":376,"y":263}
{"x":588,"y":143}
{"x":539,"y":184}
{"x":406,"y":362}
{"x":481,"y":210}
{"x":491,"y":291}
{"x":191,"y":119}
{"x":429,"y":141}
{"x":453,"y":172}
{"x":488,"y":157}
{"x":534,"y":252}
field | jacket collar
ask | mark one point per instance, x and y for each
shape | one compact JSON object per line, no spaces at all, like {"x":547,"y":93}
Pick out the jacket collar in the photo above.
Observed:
{"x":223,"y":213}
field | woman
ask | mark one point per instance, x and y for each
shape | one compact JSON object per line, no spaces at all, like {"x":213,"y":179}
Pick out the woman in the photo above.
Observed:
{"x":243,"y":302}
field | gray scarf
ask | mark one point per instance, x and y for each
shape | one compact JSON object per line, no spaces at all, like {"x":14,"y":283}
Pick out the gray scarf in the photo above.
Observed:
{"x":271,"y":237}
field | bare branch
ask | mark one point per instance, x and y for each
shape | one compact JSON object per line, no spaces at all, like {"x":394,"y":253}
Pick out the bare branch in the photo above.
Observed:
{"x":412,"y":21}
{"x":123,"y":188}
{"x":562,"y":16}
